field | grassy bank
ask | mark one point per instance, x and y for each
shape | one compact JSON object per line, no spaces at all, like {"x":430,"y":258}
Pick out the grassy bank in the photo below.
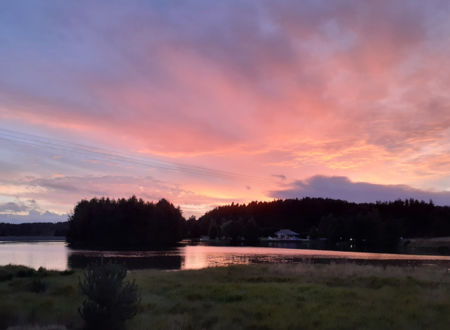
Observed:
{"x":435,"y":245}
{"x":247,"y":297}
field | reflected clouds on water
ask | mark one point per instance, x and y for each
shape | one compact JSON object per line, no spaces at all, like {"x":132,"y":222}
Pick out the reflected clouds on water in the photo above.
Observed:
{"x":56,"y":255}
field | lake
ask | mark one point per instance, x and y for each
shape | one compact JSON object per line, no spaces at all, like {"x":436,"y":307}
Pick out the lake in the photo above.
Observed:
{"x":56,"y":255}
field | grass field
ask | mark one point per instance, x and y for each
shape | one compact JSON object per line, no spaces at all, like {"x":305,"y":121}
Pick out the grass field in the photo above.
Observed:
{"x":246,"y":297}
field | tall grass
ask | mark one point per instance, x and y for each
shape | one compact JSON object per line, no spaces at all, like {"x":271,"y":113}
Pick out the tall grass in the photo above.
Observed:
{"x":304,"y":296}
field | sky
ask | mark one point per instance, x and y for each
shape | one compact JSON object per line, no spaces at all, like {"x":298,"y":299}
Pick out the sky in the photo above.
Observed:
{"x":205,"y":103}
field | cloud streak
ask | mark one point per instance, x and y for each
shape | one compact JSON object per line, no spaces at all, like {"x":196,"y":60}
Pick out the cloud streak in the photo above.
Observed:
{"x":216,"y":103}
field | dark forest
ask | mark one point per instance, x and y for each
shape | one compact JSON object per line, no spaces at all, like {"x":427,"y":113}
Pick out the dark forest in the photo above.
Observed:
{"x":127,"y":223}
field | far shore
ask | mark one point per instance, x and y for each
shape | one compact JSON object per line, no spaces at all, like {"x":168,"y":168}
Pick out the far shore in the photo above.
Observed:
{"x":432,"y":241}
{"x":32,"y":238}
{"x":431,"y":245}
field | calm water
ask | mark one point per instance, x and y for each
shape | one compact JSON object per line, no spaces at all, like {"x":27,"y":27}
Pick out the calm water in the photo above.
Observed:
{"x":55,"y":255}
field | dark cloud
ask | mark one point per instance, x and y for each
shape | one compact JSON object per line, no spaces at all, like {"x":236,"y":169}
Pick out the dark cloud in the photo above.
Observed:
{"x":338,"y":187}
{"x":27,"y":211}
{"x":33,"y":216}
{"x":13,"y":207}
{"x":279,"y":176}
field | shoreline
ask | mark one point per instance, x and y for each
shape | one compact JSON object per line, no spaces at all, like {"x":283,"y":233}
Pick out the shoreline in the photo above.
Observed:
{"x":32,"y":239}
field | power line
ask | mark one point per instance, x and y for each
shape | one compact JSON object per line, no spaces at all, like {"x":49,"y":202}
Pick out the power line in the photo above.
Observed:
{"x":58,"y":145}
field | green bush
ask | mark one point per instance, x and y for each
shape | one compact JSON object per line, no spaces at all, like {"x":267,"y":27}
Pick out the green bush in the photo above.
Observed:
{"x":66,"y":272}
{"x":43,"y":271}
{"x":26,"y":272}
{"x":38,"y":285}
{"x":8,"y":272}
{"x":110,"y":300}
{"x":5,"y":275}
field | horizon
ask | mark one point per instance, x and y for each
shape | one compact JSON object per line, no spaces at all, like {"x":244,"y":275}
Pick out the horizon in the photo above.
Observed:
{"x":254,"y":102}
{"x":52,"y":218}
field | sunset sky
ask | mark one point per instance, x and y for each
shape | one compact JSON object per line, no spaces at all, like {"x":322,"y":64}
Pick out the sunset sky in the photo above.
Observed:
{"x":211,"y":102}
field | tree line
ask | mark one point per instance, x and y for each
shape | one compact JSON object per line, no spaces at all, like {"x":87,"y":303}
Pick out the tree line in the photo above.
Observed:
{"x":34,"y":229}
{"x":134,"y":223}
{"x":374,"y":225}
{"x":124,"y":223}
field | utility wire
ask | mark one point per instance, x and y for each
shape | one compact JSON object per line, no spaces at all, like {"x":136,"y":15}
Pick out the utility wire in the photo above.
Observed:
{"x":98,"y":153}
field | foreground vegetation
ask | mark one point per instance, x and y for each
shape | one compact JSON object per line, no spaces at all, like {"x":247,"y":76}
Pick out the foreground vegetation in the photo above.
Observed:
{"x":245,"y":297}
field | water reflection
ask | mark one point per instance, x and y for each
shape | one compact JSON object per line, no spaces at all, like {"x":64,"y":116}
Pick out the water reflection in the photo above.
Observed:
{"x":51,"y":255}
{"x":197,"y":257}
{"x":130,"y":259}
{"x":55,"y":255}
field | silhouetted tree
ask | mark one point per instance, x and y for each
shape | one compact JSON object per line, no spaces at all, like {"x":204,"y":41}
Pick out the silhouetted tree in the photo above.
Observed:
{"x":251,"y":231}
{"x":122,"y":223}
{"x":368,"y":225}
{"x":135,"y":223}
{"x":214,"y":230}
{"x":191,"y":228}
{"x":110,"y":300}
{"x":232,"y":229}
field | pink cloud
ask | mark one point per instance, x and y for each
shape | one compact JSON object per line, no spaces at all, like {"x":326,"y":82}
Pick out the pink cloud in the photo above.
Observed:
{"x":346,"y":88}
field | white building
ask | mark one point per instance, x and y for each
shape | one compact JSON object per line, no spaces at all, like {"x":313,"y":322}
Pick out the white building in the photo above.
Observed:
{"x":286,"y":234}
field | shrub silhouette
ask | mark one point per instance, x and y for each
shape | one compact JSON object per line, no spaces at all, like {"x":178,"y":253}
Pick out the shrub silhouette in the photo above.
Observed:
{"x":38,"y":285}
{"x":110,"y":300}
{"x":8,"y":272}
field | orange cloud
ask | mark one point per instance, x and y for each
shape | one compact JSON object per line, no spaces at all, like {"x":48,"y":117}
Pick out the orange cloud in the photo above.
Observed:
{"x":295,"y":89}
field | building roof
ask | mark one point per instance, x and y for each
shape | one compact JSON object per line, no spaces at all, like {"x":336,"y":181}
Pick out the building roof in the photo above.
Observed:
{"x":286,"y":232}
